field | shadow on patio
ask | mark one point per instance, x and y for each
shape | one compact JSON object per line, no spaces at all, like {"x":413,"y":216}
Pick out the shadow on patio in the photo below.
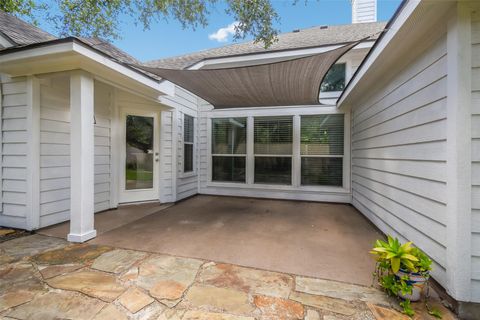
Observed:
{"x":321,"y":240}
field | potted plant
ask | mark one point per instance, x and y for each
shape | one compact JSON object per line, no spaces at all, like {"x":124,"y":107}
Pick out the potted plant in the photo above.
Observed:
{"x":403,"y":271}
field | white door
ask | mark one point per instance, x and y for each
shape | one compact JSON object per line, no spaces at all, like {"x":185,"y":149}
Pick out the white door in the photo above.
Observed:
{"x":140,"y":156}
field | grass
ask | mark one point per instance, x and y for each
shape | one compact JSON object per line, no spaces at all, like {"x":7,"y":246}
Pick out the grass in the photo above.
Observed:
{"x":139,"y":175}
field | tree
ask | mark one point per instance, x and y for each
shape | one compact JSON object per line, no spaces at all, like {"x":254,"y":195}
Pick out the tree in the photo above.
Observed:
{"x":101,"y":18}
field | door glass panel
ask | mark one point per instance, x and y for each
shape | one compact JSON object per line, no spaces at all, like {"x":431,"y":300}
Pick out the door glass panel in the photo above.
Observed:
{"x":139,"y":160}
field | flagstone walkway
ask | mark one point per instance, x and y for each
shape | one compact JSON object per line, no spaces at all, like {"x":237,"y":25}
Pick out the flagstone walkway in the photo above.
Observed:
{"x":47,"y":278}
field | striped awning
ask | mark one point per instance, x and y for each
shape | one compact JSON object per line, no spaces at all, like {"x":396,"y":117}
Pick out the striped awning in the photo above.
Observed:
{"x":288,"y":82}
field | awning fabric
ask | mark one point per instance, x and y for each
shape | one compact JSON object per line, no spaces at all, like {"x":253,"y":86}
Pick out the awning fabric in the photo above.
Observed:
{"x":282,"y":83}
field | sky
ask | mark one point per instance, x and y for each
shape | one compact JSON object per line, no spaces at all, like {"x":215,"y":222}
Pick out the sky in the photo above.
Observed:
{"x":167,"y":38}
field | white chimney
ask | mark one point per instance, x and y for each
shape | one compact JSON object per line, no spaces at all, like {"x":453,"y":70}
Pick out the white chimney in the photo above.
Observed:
{"x":364,"y":11}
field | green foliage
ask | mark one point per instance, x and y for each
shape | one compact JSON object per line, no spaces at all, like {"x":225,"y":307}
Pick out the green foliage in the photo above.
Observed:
{"x":102,"y":18}
{"x":407,"y":308}
{"x":396,"y":254}
{"x":435,"y":313}
{"x":392,"y":256}
{"x":26,"y":8}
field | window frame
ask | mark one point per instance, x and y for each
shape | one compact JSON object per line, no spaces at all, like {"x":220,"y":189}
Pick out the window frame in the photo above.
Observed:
{"x":192,"y":143}
{"x":268,"y":155}
{"x":296,"y":112}
{"x":211,"y":155}
{"x":336,"y":156}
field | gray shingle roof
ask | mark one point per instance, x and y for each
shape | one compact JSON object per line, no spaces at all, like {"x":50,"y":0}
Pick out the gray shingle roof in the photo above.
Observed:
{"x":21,"y":32}
{"x":110,"y":50}
{"x":305,"y":38}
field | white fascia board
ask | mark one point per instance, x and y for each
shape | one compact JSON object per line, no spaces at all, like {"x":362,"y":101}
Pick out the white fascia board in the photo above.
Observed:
{"x":264,"y":57}
{"x":377,"y":51}
{"x":106,"y":61}
{"x":74,"y":51}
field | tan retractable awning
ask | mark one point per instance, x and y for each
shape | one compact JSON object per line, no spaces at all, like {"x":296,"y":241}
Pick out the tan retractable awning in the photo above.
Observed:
{"x":292,"y":81}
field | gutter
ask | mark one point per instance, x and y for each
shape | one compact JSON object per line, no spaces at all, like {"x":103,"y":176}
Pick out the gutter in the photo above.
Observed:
{"x":377,"y":42}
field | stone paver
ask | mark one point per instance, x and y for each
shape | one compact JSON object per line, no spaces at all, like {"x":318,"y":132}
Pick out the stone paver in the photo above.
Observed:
{"x":326,"y":303}
{"x":76,"y":253}
{"x":246,"y":279}
{"x":341,"y":290}
{"x":382,"y":313}
{"x":219,"y":300}
{"x":18,"y":274}
{"x":28,"y":246}
{"x":15,"y":298}
{"x":96,"y":284}
{"x":118,"y":260}
{"x":135,"y":300}
{"x":167,"y":277}
{"x":56,"y":305}
{"x":54,"y":281}
{"x":312,"y":315}
{"x":277,"y":308}
{"x":150,"y":312}
{"x":48,"y":272}
{"x":111,"y":312}
{"x":202,"y":315}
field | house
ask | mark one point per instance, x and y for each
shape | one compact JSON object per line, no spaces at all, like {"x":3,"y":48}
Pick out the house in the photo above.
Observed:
{"x":397,"y":136}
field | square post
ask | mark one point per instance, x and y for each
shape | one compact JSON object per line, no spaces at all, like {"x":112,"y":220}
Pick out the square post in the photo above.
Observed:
{"x":81,"y":157}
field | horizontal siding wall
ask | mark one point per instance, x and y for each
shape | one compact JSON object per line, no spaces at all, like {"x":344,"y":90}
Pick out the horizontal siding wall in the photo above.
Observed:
{"x":103,"y":105}
{"x":476,"y":157}
{"x":398,"y":155}
{"x":54,"y":151}
{"x":185,"y":103}
{"x":167,"y":174}
{"x":14,"y":152}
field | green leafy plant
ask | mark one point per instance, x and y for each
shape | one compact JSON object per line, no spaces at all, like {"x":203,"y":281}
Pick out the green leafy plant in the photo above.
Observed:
{"x":407,"y":308}
{"x":393,"y":256}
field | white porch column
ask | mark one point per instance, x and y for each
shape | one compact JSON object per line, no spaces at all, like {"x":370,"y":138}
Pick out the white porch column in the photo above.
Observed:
{"x":82,"y":157}
{"x":459,"y":205}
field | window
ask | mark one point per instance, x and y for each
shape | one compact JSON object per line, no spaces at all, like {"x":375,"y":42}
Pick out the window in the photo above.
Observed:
{"x":273,"y":149}
{"x":229,"y":137}
{"x":188,"y":139}
{"x":334,"y":79}
{"x":321,"y":150}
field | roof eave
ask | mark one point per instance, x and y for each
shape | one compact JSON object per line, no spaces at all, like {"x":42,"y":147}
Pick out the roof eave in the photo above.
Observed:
{"x":70,"y":54}
{"x":395,"y":45}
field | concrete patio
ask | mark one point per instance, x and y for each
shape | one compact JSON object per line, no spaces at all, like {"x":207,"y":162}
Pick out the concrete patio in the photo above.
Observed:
{"x":322,"y":240}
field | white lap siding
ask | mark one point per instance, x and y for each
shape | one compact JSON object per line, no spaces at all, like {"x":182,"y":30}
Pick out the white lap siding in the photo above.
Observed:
{"x":167,"y":174}
{"x":476,"y":157}
{"x":14,"y":152}
{"x":55,"y":150}
{"x":185,"y":103}
{"x":103,"y":105}
{"x":399,"y":155}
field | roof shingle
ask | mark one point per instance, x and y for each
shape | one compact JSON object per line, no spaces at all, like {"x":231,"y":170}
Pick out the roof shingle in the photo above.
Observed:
{"x":305,"y":38}
{"x":21,"y":32}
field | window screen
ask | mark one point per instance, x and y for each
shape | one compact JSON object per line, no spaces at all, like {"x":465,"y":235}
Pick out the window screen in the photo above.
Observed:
{"x":229,"y":137}
{"x":273,"y":149}
{"x":188,"y":140}
{"x":321,"y":149}
{"x":334,"y":79}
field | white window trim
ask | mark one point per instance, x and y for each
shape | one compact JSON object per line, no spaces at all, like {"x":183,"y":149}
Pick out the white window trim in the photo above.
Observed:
{"x":296,"y":112}
{"x":192,"y":173}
